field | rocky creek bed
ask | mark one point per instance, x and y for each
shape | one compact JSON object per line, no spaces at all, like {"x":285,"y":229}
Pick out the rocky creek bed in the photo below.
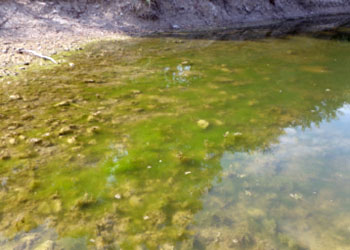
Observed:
{"x":173,"y":143}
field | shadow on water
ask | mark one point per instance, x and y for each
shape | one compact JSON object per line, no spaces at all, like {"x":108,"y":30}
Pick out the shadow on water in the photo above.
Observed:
{"x":168,"y":143}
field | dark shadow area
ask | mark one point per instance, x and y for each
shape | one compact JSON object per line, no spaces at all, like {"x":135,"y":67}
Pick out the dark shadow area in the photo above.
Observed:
{"x":323,"y":28}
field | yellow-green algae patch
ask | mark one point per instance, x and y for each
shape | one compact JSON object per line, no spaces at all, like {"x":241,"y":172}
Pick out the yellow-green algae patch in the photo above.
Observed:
{"x":106,"y":150}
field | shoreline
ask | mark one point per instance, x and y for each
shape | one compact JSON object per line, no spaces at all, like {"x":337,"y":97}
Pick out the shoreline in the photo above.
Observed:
{"x":53,"y":28}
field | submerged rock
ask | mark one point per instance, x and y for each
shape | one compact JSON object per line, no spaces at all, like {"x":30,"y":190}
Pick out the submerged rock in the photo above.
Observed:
{"x":72,"y":140}
{"x":296,"y":196}
{"x":203,"y":124}
{"x":66,"y":130}
{"x":4,"y":155}
{"x":62,"y":104}
{"x":182,"y":218}
{"x":15,"y":97}
{"x":35,"y":141}
{"x":12,"y":141}
{"x":135,"y":201}
{"x":47,"y":245}
{"x":93,"y":130}
{"x":84,"y":202}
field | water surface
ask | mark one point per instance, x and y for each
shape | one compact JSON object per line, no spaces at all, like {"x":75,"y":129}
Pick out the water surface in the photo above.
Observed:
{"x":163,"y":143}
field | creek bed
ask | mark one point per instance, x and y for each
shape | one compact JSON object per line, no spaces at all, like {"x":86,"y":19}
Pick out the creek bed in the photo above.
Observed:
{"x":168,"y":143}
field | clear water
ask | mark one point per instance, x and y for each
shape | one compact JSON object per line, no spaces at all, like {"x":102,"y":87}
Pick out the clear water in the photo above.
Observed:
{"x":161,"y":143}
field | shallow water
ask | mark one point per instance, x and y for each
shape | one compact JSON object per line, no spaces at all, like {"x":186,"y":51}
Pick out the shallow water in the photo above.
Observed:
{"x":162,"y":143}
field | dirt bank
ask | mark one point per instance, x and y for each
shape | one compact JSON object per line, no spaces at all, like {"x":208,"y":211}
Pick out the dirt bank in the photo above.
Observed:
{"x":51,"y":26}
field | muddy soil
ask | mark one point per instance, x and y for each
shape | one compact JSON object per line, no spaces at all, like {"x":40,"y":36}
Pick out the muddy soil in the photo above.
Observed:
{"x":55,"y":25}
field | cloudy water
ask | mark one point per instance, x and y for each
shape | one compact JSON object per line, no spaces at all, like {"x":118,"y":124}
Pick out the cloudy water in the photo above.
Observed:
{"x":168,"y":143}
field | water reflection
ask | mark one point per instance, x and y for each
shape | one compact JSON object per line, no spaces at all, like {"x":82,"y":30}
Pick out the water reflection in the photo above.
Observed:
{"x":292,"y":194}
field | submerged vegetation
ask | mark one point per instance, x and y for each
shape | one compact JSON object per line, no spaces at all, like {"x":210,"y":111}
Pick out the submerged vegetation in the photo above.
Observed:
{"x":179,"y":144}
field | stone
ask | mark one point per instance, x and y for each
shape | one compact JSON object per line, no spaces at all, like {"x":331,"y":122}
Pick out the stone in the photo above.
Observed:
{"x":4,"y":155}
{"x":62,"y":104}
{"x":92,"y":142}
{"x":15,"y":97}
{"x":65,"y":130}
{"x":89,"y":81}
{"x":84,"y":202}
{"x":203,"y":124}
{"x":136,"y":92}
{"x":182,"y":218}
{"x":12,"y":141}
{"x":296,"y":196}
{"x":93,"y":130}
{"x":27,"y":117}
{"x":22,"y":137}
{"x":35,"y":141}
{"x":72,"y":140}
{"x":47,"y":245}
{"x":135,"y":201}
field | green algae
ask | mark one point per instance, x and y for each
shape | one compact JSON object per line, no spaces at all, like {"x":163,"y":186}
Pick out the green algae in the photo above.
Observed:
{"x":112,"y":154}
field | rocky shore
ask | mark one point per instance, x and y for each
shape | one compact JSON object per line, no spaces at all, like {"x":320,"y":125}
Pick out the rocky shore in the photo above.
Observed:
{"x":53,"y":26}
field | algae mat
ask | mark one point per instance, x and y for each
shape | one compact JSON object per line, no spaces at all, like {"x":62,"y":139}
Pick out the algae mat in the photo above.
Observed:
{"x":162,"y":143}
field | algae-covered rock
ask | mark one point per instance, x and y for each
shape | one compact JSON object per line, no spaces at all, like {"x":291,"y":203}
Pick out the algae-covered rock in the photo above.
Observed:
{"x":84,"y":202}
{"x":25,"y":222}
{"x":47,"y":245}
{"x":63,"y":104}
{"x":27,"y":242}
{"x":65,"y":130}
{"x":72,"y":140}
{"x":156,"y":217}
{"x":135,"y":201}
{"x":203,"y":124}
{"x":182,"y":218}
{"x":93,"y":130}
{"x":5,"y":155}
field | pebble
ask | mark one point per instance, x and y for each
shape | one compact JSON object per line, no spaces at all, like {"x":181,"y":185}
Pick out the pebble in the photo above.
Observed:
{"x":5,"y":156}
{"x":72,"y":140}
{"x":35,"y":141}
{"x":62,"y":104}
{"x":146,"y":217}
{"x":136,"y":92}
{"x":27,"y":117}
{"x":12,"y":141}
{"x":296,"y":196}
{"x":203,"y":124}
{"x":15,"y":97}
{"x":65,"y":130}
{"x":118,"y":196}
{"x":46,"y":134}
{"x":92,"y":142}
{"x":93,"y":130}
{"x":22,"y":137}
{"x":89,"y":81}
